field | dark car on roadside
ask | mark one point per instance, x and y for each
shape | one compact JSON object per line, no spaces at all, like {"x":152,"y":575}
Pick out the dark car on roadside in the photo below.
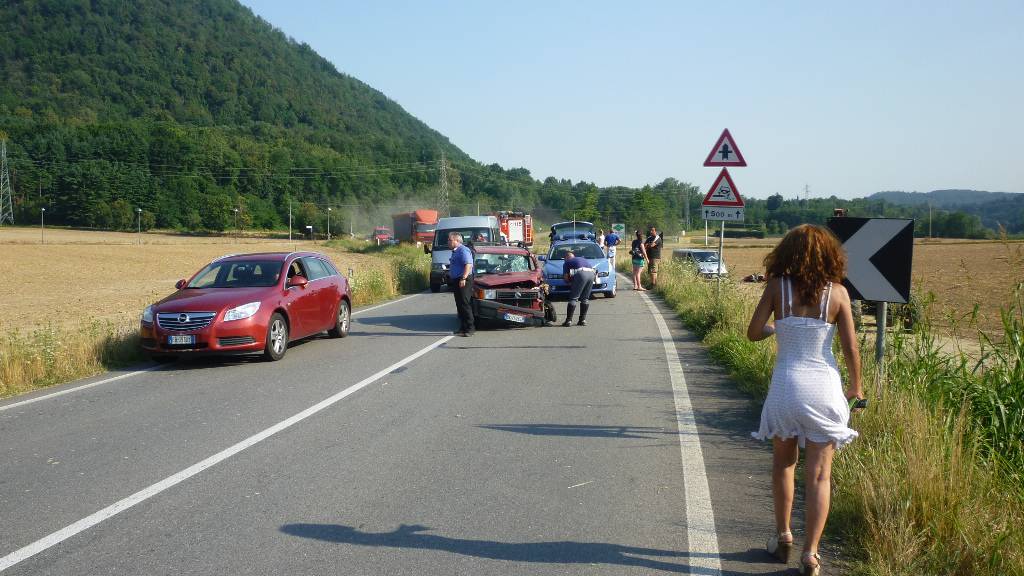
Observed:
{"x":508,"y":287}
{"x":250,"y":304}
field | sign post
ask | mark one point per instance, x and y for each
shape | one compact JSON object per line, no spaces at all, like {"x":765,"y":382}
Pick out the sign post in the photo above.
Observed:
{"x":879,"y":253}
{"x":723,"y":202}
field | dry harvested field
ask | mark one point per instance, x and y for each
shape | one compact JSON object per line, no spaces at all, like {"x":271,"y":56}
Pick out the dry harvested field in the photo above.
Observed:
{"x":81,"y":276}
{"x":959,"y":273}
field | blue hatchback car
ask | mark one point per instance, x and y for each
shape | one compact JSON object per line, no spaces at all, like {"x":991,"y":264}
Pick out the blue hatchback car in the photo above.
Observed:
{"x":555,"y":258}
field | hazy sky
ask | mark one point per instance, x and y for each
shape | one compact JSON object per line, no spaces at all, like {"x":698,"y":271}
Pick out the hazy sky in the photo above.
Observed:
{"x":848,"y":98}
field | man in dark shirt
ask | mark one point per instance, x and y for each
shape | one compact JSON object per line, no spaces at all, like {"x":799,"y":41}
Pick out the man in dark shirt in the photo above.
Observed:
{"x":580,"y":276}
{"x":460,"y":279}
{"x":653,"y":243}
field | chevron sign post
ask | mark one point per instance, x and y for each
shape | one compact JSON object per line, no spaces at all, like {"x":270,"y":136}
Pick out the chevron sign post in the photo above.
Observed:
{"x":879,"y":255}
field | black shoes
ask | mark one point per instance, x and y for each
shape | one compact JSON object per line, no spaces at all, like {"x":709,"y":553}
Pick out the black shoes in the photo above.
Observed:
{"x":581,"y":323}
{"x":464,"y":334}
{"x":567,"y":323}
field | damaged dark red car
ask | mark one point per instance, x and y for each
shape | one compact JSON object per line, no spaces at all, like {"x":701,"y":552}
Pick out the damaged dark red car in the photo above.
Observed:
{"x":508,"y":287}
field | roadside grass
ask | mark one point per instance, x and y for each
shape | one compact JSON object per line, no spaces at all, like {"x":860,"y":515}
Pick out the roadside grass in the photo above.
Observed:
{"x":934,"y":483}
{"x":55,"y":354}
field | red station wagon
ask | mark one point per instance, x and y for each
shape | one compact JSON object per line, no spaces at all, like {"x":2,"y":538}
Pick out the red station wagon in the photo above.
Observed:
{"x":250,"y":303}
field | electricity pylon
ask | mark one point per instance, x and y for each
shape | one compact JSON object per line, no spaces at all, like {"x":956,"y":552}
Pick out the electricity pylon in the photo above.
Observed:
{"x":6,"y":205}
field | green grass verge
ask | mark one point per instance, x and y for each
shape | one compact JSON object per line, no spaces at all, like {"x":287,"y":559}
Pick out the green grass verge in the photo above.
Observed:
{"x":933,"y":484}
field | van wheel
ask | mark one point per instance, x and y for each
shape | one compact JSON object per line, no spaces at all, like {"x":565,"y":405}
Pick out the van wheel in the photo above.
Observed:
{"x":611,"y":294}
{"x":342,"y":322}
{"x":277,"y":338}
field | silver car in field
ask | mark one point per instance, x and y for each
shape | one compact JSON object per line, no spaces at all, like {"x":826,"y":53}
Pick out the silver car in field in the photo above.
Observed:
{"x":704,"y":259}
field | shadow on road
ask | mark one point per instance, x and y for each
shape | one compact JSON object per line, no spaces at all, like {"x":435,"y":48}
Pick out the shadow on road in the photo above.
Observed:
{"x":580,"y":430}
{"x":557,"y":552}
{"x":414,"y":322}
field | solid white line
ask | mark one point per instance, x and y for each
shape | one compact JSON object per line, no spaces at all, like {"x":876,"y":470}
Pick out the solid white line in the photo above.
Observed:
{"x":700,"y":517}
{"x":153,"y":368}
{"x":146,"y":493}
{"x":77,"y":388}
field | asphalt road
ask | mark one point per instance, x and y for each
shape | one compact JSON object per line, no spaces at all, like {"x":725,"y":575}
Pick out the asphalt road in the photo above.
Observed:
{"x":525,"y":451}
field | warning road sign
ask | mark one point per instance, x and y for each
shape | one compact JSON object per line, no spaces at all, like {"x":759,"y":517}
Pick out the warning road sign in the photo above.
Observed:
{"x":723,"y":192}
{"x":725,"y":153}
{"x":879,"y":254}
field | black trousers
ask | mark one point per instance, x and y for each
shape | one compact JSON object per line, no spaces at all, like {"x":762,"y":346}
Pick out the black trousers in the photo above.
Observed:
{"x":464,"y":304}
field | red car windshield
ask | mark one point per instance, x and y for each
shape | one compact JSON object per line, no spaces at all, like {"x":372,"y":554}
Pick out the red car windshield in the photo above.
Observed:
{"x":238,"y":274}
{"x":501,"y":263}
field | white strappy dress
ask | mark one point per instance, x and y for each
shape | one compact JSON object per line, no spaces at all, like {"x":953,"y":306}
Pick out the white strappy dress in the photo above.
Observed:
{"x":806,"y":397}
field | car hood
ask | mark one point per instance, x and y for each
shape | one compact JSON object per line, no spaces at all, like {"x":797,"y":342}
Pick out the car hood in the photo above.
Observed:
{"x":710,"y":267}
{"x":507,"y":280}
{"x":555,"y":266}
{"x":210,"y":299}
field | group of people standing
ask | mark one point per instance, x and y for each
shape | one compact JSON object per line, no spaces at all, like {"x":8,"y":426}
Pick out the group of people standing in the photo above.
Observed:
{"x":803,"y":305}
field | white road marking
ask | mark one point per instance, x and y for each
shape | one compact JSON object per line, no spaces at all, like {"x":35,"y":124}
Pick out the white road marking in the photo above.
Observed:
{"x":702,"y":538}
{"x":77,"y":388}
{"x":150,"y":491}
{"x":154,"y":368}
{"x":360,"y":311}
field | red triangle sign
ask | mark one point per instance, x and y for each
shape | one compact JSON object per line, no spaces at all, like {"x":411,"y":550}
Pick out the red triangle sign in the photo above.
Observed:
{"x":723,"y":192}
{"x":725,"y":152}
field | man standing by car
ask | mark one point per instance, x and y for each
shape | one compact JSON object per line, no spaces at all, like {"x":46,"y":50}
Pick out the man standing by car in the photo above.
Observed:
{"x":580,"y":275}
{"x":610,"y":242}
{"x":653,"y":244}
{"x":460,"y":278}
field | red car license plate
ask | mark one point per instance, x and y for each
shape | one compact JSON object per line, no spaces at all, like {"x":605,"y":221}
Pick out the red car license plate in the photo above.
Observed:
{"x":179,"y":339}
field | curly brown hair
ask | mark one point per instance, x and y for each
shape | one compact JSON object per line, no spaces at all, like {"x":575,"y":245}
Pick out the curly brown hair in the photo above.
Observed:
{"x":811,"y":256}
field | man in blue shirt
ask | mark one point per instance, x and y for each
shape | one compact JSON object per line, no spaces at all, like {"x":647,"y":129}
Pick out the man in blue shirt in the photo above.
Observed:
{"x":580,"y":275}
{"x":610,"y":242}
{"x":460,"y":279}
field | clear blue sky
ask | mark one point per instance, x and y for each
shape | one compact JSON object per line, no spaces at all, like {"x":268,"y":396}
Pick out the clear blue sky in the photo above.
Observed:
{"x":848,"y":98}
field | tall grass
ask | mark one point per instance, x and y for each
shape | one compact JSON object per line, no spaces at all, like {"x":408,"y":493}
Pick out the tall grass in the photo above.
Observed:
{"x":933,"y":484}
{"x":56,"y":354}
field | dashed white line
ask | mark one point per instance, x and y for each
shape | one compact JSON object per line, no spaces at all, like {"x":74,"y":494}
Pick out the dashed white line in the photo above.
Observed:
{"x":150,"y":491}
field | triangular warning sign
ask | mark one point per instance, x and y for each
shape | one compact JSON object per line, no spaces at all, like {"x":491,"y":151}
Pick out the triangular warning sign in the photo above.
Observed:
{"x":723,"y":192}
{"x":725,"y":152}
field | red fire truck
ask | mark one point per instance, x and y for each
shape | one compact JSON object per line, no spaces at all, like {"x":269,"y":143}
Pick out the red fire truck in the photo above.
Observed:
{"x":516,"y":227}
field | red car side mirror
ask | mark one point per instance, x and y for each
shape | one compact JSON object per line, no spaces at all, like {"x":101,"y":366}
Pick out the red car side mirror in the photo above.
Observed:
{"x":180,"y":284}
{"x":299,"y":281}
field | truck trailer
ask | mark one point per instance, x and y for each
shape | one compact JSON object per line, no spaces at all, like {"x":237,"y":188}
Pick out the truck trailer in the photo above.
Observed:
{"x":416,"y":226}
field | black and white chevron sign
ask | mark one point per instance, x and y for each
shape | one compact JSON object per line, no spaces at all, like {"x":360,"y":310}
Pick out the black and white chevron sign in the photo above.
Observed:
{"x":879,"y":254}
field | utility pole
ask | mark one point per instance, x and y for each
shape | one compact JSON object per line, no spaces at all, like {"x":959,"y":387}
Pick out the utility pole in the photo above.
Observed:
{"x":442,"y":194}
{"x":686,"y":204}
{"x":929,"y":220}
{"x":6,"y":204}
{"x":289,"y":220}
{"x":139,"y":212}
{"x":328,"y":223}
{"x":42,"y":226}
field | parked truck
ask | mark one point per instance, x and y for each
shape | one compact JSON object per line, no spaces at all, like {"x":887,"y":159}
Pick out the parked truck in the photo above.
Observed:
{"x":417,"y":226}
{"x":516,"y":227}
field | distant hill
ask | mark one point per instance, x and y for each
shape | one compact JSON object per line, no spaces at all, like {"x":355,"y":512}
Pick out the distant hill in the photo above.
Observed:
{"x":995,"y":209}
{"x":944,"y":198}
{"x":188,"y":108}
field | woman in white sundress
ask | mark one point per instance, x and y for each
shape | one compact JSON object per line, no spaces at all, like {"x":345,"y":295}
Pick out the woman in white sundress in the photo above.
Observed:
{"x":806,"y":405}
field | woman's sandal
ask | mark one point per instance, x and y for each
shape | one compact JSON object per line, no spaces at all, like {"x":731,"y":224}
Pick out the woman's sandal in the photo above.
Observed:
{"x":808,"y":568}
{"x":781,"y":546}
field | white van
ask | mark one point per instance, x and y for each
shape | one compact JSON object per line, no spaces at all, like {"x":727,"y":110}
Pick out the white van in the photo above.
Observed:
{"x":471,"y":228}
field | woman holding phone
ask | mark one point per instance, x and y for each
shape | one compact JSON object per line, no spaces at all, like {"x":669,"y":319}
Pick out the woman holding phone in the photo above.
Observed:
{"x":806,"y":405}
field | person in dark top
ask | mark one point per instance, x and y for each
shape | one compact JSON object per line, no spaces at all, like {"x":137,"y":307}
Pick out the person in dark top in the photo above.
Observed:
{"x":580,"y":276}
{"x":653,"y":245}
{"x":638,"y":255}
{"x":460,"y":278}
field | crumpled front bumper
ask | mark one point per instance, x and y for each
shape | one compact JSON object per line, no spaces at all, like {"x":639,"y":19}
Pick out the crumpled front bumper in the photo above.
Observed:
{"x":494,"y":310}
